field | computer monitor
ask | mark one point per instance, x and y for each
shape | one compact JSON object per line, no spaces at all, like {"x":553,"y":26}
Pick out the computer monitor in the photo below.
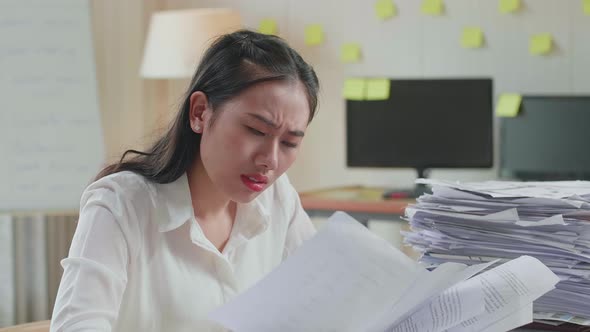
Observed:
{"x":547,"y":140}
{"x":424,"y":124}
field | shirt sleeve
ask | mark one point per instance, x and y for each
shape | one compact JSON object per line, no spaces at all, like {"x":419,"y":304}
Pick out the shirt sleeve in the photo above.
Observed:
{"x":95,"y":271}
{"x":300,"y":225}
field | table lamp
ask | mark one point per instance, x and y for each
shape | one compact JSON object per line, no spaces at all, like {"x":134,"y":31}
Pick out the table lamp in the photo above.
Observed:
{"x":175,"y":42}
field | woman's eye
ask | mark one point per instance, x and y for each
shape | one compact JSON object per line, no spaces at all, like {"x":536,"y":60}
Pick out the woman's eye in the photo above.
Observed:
{"x":289,"y":144}
{"x":255,"y":132}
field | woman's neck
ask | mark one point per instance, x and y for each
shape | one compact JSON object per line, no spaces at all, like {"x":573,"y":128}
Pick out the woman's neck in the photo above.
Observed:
{"x":208,"y":202}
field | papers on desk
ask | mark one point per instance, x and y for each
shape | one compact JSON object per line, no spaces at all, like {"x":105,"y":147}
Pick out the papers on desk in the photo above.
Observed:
{"x":472,"y":223}
{"x":347,"y":279}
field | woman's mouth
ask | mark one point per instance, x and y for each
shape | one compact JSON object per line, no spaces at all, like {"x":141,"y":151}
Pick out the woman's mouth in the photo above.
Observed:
{"x":254,"y":182}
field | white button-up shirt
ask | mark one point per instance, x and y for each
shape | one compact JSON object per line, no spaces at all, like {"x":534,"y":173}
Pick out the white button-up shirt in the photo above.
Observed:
{"x":140,"y":262}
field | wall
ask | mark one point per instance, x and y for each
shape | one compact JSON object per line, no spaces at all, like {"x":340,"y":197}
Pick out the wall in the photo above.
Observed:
{"x":126,"y":101}
{"x":415,"y":45}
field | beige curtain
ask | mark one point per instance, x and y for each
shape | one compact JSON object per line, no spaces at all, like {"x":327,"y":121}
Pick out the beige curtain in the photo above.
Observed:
{"x":31,"y":248}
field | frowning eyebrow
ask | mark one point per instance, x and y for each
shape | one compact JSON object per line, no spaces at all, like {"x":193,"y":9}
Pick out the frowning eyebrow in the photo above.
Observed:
{"x":269,"y":122}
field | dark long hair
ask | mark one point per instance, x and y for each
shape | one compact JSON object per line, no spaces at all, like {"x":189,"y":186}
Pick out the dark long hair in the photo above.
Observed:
{"x":233,"y":63}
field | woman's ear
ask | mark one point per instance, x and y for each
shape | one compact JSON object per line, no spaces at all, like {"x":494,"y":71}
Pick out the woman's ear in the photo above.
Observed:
{"x":199,"y":104}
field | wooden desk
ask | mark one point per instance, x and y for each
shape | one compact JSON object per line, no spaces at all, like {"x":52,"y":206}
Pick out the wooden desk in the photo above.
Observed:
{"x":362,"y":203}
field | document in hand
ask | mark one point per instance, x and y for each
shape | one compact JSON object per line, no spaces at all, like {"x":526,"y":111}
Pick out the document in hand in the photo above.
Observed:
{"x":346,"y":278}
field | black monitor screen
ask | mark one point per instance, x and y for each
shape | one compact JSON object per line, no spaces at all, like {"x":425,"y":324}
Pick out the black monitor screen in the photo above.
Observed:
{"x":548,"y":140}
{"x":445,"y":123}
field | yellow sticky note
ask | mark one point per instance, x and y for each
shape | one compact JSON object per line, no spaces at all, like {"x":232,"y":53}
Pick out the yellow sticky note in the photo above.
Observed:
{"x":350,"y":53}
{"x":378,"y":89}
{"x":385,"y":9}
{"x":355,"y":89}
{"x":268,"y":26}
{"x":314,"y":34}
{"x":472,"y":37}
{"x":508,"y":6}
{"x":432,"y":7}
{"x":586,"y":5}
{"x":508,"y":105}
{"x":541,"y":44}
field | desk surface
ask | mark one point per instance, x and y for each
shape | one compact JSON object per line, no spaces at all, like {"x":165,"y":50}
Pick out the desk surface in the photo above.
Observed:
{"x":353,"y":199}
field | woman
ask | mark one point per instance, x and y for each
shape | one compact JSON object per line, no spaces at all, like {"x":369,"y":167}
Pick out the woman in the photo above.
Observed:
{"x":172,"y":233}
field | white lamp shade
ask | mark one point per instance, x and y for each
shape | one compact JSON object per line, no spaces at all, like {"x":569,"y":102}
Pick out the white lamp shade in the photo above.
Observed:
{"x":177,"y":39}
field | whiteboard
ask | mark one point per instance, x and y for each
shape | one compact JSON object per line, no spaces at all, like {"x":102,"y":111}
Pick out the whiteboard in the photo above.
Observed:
{"x":51,"y":142}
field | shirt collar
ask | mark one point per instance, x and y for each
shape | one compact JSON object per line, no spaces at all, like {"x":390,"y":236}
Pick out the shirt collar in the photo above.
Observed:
{"x":177,"y":207}
{"x":251,"y":219}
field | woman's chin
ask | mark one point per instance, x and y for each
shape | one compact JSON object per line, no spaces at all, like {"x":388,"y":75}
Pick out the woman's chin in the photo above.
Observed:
{"x":246,"y":197}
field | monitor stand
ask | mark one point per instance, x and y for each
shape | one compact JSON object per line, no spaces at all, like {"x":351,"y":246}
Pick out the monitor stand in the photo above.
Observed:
{"x":417,"y":191}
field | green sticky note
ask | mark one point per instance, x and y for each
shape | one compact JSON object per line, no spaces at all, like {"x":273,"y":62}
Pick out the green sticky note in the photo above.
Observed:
{"x":432,"y":7}
{"x":472,"y":37}
{"x":541,"y":44}
{"x":355,"y":89}
{"x":378,"y":89}
{"x":508,"y":105}
{"x":586,"y":5}
{"x":268,"y":26}
{"x":508,"y":6}
{"x":350,"y":53}
{"x":385,"y":9}
{"x":314,"y":34}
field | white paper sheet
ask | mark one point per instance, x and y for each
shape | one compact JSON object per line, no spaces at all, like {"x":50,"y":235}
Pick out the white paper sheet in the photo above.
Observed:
{"x":336,"y":281}
{"x":457,"y":304}
{"x":548,"y":189}
{"x":507,"y":288}
{"x":426,"y":286}
{"x":347,"y":279}
{"x":516,"y":319}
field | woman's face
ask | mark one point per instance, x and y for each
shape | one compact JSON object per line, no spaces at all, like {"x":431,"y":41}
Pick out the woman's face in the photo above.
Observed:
{"x":254,"y":138}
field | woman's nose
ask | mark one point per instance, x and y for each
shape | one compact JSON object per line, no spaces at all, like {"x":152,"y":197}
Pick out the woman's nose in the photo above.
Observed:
{"x":267,"y":158}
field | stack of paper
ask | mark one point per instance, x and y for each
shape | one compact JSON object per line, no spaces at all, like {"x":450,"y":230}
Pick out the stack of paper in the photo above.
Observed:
{"x":479,"y":222}
{"x":347,"y":279}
